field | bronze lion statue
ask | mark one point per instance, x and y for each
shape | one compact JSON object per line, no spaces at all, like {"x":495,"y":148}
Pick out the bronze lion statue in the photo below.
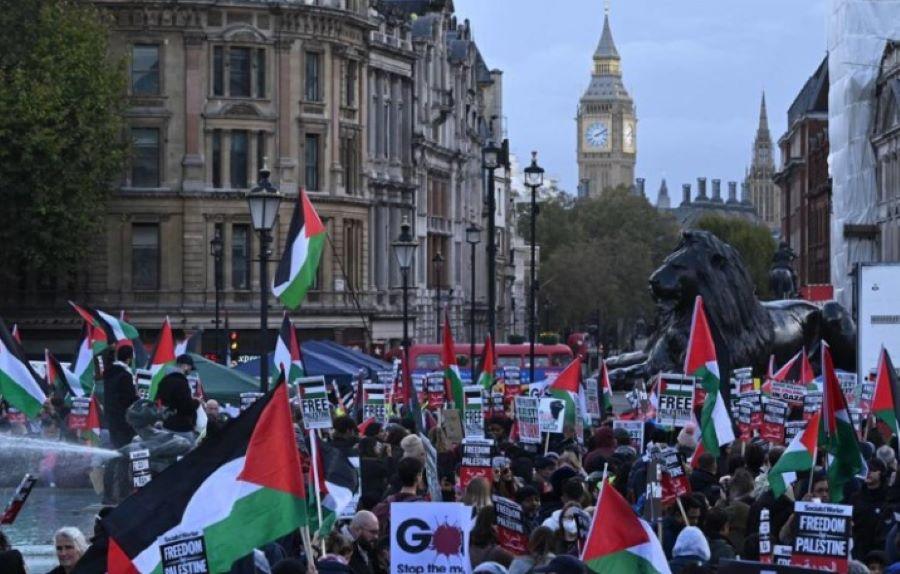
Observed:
{"x":746,"y":331}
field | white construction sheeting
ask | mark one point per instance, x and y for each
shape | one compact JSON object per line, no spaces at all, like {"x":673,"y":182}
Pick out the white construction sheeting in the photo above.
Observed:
{"x":857,"y":33}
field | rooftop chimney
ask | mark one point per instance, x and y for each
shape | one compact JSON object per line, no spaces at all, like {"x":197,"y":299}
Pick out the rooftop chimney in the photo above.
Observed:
{"x":745,"y":193}
{"x":640,"y":186}
{"x":732,"y":192}
{"x":717,"y":190}
{"x":701,"y":189}
{"x":686,"y":194}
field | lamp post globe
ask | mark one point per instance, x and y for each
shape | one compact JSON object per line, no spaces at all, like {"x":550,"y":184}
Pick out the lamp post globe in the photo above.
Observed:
{"x":473,"y":238}
{"x":404,"y":248}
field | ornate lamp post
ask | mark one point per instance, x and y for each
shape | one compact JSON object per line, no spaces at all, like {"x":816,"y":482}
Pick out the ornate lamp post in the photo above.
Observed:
{"x":215,"y":249}
{"x":437,"y":263}
{"x":534,"y":178}
{"x":473,"y":238}
{"x":405,"y":250}
{"x":264,"y":200}
{"x":490,"y":160}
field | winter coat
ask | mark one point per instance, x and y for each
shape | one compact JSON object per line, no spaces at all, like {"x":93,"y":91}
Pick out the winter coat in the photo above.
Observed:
{"x":720,"y":549}
{"x":702,"y":480}
{"x":174,"y":394}
{"x":118,"y":394}
{"x":870,"y":510}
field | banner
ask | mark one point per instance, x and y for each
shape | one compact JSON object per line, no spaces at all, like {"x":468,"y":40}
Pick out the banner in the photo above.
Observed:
{"x":527,"y":419}
{"x":675,"y":482}
{"x":430,"y":538}
{"x":635,"y":430}
{"x":314,"y":403}
{"x":847,"y":381}
{"x":18,"y":499}
{"x":78,"y":414}
{"x":775,"y":414}
{"x":476,"y":460}
{"x":592,"y":399}
{"x":139,"y":462}
{"x":552,"y":413}
{"x":866,"y":393}
{"x":511,"y":533}
{"x":473,"y":414}
{"x":676,"y":400}
{"x":741,"y":381}
{"x":375,"y":403}
{"x":755,"y":400}
{"x":823,"y":536}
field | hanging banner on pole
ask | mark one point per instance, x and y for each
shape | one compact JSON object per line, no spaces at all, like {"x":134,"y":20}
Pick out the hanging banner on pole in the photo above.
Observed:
{"x":314,"y":403}
{"x":527,"y":419}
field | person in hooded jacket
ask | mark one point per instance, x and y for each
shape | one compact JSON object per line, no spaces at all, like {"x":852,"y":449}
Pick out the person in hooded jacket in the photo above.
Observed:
{"x":691,"y":548}
{"x":870,"y":510}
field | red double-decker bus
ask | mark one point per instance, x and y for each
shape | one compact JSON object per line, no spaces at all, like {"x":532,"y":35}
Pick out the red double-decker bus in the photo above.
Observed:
{"x":547,"y":358}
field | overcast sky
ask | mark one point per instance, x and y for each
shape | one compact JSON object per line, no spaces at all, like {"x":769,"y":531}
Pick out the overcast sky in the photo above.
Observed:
{"x":695,"y":69}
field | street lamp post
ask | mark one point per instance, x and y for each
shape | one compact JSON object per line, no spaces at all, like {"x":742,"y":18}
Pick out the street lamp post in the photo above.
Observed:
{"x":473,"y":238}
{"x":437,"y":263}
{"x":215,"y":249}
{"x":404,"y":250}
{"x":534,"y":178}
{"x":490,"y":160}
{"x":264,"y":200}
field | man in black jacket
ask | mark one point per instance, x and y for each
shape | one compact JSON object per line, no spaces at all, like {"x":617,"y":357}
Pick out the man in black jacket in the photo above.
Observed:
{"x":118,"y":394}
{"x":174,"y":394}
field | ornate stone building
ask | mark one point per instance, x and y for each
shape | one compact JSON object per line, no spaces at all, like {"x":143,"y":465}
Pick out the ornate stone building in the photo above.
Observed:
{"x":886,"y":144}
{"x":606,"y":124}
{"x":379,"y":112}
{"x":763,"y":193}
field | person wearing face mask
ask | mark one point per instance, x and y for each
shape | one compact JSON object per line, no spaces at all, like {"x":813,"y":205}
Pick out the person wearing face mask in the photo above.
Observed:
{"x":573,"y":529}
{"x":483,"y":545}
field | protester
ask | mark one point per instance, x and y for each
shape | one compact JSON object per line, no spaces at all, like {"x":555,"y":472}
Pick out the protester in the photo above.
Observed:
{"x":716,"y":528}
{"x":118,"y":394}
{"x":876,"y":562}
{"x":563,"y":565}
{"x":410,"y":474}
{"x":674,"y":523}
{"x":179,"y":407}
{"x":567,"y":535}
{"x":483,"y":546}
{"x":364,"y":530}
{"x":540,"y":552}
{"x":691,"y":548}
{"x":528,"y":498}
{"x":373,"y":465}
{"x":70,"y":547}
{"x":871,"y":516}
{"x":478,"y":494}
{"x":11,"y":562}
{"x":704,"y":476}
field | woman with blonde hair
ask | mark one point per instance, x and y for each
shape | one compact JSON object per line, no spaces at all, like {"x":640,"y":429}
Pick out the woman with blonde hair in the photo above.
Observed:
{"x":478,"y":493}
{"x":70,"y":547}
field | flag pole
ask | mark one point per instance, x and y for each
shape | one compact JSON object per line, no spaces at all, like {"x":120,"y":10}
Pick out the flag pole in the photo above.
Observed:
{"x":681,"y":508}
{"x":546,"y":444}
{"x":307,"y":547}
{"x":314,"y":447}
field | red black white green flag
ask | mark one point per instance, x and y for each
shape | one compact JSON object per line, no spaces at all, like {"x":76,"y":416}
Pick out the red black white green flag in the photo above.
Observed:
{"x":19,"y":384}
{"x":452,"y":381}
{"x":238,"y":491}
{"x":163,"y":357}
{"x":296,"y":271}
{"x":567,"y":387}
{"x":886,"y":401}
{"x":837,"y":436}
{"x":486,"y":378}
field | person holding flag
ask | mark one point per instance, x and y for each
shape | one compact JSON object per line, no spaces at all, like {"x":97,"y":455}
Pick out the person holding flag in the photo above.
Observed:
{"x":837,"y":436}
{"x":486,"y":378}
{"x":453,"y":385}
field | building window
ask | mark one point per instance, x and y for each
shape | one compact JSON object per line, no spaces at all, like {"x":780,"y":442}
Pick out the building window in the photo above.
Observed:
{"x":145,"y":70}
{"x":240,"y":256}
{"x":218,"y":71}
{"x":217,"y":159}
{"x":348,"y":162}
{"x":311,"y":158}
{"x":145,"y":256}
{"x":239,"y":72}
{"x":312,"y":89}
{"x":239,"y":159}
{"x":350,"y":84}
{"x":260,"y":73}
{"x":260,"y":150}
{"x":145,"y":161}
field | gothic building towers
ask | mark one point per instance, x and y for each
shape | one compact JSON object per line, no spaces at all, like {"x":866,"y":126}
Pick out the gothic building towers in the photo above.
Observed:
{"x":759,"y":180}
{"x":607,"y":125}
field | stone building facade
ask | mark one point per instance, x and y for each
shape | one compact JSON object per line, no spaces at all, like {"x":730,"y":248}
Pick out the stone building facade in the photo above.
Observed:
{"x":886,"y":145}
{"x":379,"y":112}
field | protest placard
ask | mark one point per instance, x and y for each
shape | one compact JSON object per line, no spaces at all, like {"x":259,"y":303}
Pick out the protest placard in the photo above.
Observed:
{"x":432,"y":479}
{"x":847,"y":382}
{"x":857,"y":418}
{"x":866,"y":393}
{"x":792,"y":429}
{"x":195,"y":384}
{"x":495,"y":404}
{"x":741,"y":380}
{"x":812,"y":403}
{"x":430,"y":538}
{"x":592,"y":399}
{"x":635,"y":430}
{"x":247,"y":399}
{"x":675,"y":482}
{"x":676,"y":400}
{"x":781,"y":554}
{"x":765,"y":537}
{"x":789,"y":392}
{"x":476,"y":460}
{"x":512,"y":382}
{"x":374,"y":406}
{"x":314,"y":403}
{"x":434,"y":391}
{"x":18,"y":499}
{"x":754,"y":399}
{"x":744,"y":419}
{"x":78,"y":414}
{"x":774,"y":414}
{"x":527,"y":419}
{"x":823,"y":536}
{"x":511,"y":533}
{"x":473,"y":414}
{"x":142,"y":379}
{"x":451,"y":424}
{"x":552,"y":413}
{"x":350,"y":510}
{"x":139,"y":462}
{"x":183,"y":553}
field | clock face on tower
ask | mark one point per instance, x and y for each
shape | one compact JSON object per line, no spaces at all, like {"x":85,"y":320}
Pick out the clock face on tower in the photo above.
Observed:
{"x":597,"y":135}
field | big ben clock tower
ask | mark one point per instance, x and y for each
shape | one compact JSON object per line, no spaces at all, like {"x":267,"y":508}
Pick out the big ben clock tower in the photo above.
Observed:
{"x":607,"y":126}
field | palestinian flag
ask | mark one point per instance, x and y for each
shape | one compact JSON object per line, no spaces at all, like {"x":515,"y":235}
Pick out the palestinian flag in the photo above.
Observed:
{"x":798,"y":370}
{"x":700,"y":361}
{"x":15,"y":333}
{"x":287,"y":355}
{"x":798,"y":457}
{"x":92,"y":432}
{"x":62,"y":382}
{"x":606,"y":395}
{"x":19,"y":384}
{"x":84,"y":362}
{"x":886,"y":401}
{"x":191,"y":345}
{"x":452,"y":381}
{"x":238,"y":490}
{"x":99,"y":342}
{"x":338,"y":481}
{"x":837,"y":436}
{"x":115,"y":329}
{"x":567,"y":387}
{"x":486,"y":378}
{"x":296,"y":271}
{"x":163,"y":357}
{"x":619,"y":541}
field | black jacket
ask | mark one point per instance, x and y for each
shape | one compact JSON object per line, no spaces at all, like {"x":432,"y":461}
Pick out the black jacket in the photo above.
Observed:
{"x":118,"y":394}
{"x":174,"y":393}
{"x":702,"y":480}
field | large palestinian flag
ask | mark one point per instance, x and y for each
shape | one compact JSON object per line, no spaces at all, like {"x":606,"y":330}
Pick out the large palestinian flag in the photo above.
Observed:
{"x":452,"y":381}
{"x":486,"y":378}
{"x":798,"y":457}
{"x":162,"y":358}
{"x":619,"y":541}
{"x":797,"y":370}
{"x":567,"y":388}
{"x":886,"y":402}
{"x":338,"y":482}
{"x":606,"y":395}
{"x":238,"y":490}
{"x":83,"y":366}
{"x":700,"y":361}
{"x":296,"y":271}
{"x":62,"y":382}
{"x":19,"y":384}
{"x":287,"y":355}
{"x":116,"y":330}
{"x":836,"y":433}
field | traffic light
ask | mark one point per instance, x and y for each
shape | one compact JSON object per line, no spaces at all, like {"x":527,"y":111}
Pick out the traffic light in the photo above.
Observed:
{"x":233,"y":341}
